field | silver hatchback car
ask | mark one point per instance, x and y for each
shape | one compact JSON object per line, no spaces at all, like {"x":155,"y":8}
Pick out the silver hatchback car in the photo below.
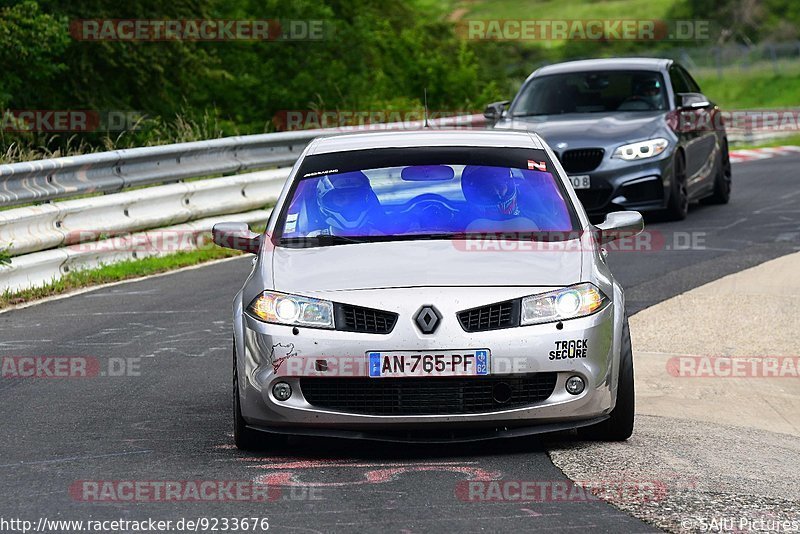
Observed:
{"x":430,"y":286}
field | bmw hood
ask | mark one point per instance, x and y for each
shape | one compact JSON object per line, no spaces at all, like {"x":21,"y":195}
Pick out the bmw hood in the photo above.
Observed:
{"x":590,"y":129}
{"x":426,"y":263}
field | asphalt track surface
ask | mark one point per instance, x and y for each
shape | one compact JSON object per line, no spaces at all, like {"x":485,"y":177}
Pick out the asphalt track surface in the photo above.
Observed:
{"x":172,"y":421}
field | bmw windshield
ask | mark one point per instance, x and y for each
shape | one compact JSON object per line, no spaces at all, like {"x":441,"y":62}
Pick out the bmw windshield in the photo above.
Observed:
{"x":591,"y":92}
{"x":436,"y":197}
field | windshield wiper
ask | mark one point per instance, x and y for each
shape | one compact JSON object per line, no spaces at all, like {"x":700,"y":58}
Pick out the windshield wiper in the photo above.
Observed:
{"x":423,"y":237}
{"x":321,"y":241}
{"x":532,"y":114}
{"x":330,"y":240}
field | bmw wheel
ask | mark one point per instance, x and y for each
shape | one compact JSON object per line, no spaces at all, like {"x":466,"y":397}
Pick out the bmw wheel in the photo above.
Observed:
{"x":678,"y":205}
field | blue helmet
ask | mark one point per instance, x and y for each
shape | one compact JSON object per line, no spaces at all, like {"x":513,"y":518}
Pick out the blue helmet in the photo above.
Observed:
{"x":345,"y":199}
{"x":491,"y":188}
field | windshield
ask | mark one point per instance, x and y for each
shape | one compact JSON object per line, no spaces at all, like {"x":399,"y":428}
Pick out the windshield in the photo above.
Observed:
{"x":416,"y":201}
{"x":592,"y":92}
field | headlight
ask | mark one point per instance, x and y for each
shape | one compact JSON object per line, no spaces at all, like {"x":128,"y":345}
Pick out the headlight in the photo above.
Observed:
{"x":273,"y":307}
{"x":641,"y":150}
{"x":567,"y":303}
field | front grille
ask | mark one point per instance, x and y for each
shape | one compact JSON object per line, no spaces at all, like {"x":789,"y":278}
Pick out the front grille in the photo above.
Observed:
{"x":365,"y":320}
{"x":428,"y":396}
{"x":491,"y":317}
{"x":581,"y":159}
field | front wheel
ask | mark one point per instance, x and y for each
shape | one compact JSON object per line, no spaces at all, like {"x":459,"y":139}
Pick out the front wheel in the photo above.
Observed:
{"x":246,"y":438}
{"x":678,"y":204}
{"x":619,"y":425}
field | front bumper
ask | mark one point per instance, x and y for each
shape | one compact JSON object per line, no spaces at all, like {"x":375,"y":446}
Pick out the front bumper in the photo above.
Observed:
{"x":514,"y":352}
{"x":625,"y":185}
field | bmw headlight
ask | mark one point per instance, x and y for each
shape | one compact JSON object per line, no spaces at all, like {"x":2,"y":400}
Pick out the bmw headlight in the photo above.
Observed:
{"x":293,"y":310}
{"x":567,"y":303}
{"x":641,"y":150}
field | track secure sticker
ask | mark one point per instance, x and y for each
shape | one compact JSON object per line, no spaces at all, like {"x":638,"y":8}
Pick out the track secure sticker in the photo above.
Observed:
{"x":572,"y":348}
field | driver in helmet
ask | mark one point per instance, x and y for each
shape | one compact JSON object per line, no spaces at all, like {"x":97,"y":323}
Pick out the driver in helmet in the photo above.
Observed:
{"x":348,"y":205}
{"x":492,"y":190}
{"x":649,"y":90}
{"x":504,"y":200}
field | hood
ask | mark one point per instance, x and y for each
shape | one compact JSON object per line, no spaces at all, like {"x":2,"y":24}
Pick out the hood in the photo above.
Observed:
{"x":590,"y":129}
{"x":425,"y":263}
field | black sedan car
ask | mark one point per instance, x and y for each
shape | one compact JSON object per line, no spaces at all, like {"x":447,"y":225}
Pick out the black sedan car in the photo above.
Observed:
{"x":632,"y":133}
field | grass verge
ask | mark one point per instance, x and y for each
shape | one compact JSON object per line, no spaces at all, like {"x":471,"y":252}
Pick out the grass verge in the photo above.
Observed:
{"x":116,"y":272}
{"x":753,"y":90}
{"x":562,"y":10}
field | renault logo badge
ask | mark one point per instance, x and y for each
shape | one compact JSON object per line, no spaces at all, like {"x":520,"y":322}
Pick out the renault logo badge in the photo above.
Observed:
{"x":428,"y":319}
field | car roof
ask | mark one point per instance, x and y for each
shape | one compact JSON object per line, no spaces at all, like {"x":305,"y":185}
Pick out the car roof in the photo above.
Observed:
{"x":583,"y":65}
{"x":424,"y":138}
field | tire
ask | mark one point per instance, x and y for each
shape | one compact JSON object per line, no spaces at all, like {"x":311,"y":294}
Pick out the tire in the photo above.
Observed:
{"x":245,"y":438}
{"x":619,"y":425}
{"x":722,"y":181}
{"x":678,"y":204}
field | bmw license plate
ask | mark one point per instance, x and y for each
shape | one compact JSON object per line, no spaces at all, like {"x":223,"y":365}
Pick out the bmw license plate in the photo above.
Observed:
{"x":582,"y":181}
{"x":439,"y":363}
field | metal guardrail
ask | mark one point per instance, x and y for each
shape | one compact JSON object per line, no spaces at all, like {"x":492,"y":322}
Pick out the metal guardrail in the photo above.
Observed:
{"x":35,"y":228}
{"x":53,"y":238}
{"x":108,"y":172}
{"x":39,"y":268}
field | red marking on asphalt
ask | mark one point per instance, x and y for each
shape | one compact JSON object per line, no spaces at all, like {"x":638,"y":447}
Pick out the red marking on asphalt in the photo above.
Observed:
{"x":761,"y":153}
{"x":314,"y":464}
{"x":530,"y":512}
{"x":376,"y":476}
{"x":286,"y":471}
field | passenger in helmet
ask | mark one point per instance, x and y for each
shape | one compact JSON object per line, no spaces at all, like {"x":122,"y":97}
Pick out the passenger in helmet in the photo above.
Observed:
{"x":491,"y":189}
{"x":347,"y":204}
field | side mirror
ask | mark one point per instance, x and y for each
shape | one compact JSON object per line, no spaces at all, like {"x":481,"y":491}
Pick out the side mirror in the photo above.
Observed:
{"x":495,"y":110}
{"x":620,"y":224}
{"x":236,"y":236}
{"x":692,"y":101}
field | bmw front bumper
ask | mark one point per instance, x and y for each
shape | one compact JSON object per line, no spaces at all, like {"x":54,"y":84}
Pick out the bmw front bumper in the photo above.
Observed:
{"x":628,"y":185}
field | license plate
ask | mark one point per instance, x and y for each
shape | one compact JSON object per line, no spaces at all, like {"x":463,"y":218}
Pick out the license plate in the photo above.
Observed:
{"x":582,"y":181}
{"x":439,"y":363}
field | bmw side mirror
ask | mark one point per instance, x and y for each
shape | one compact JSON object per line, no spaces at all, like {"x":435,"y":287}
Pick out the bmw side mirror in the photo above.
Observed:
{"x":620,"y":224}
{"x":237,"y":236}
{"x":494,"y":111}
{"x":692,"y":101}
